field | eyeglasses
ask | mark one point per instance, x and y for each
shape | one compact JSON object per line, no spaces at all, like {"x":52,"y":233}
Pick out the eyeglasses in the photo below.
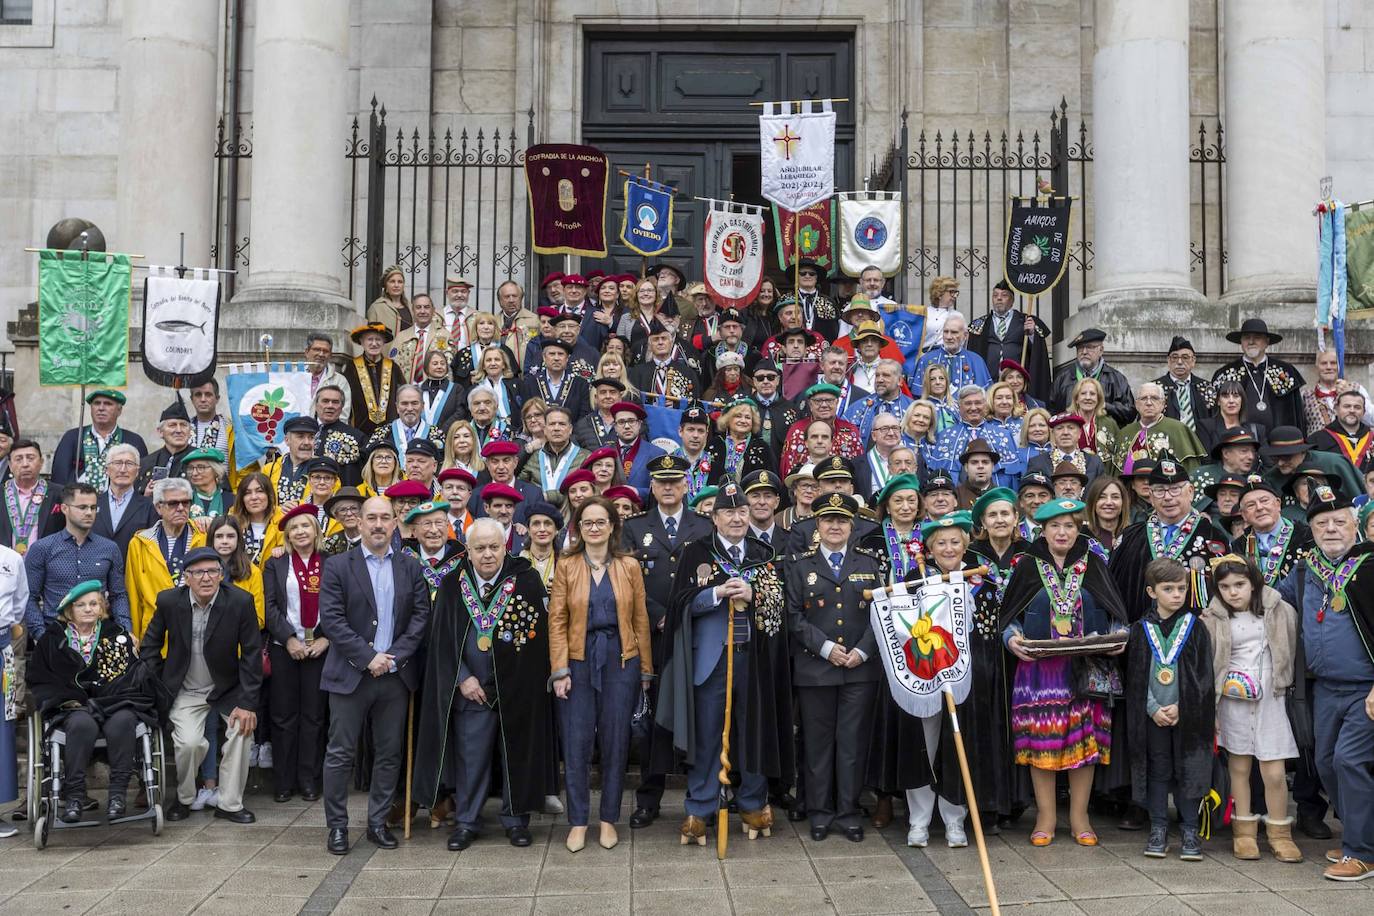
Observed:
{"x":594,"y":522}
{"x":176,"y":503}
{"x":121,"y":464}
{"x":765,"y":377}
{"x":627,"y":421}
{"x":203,"y":573}
{"x":1174,"y":490}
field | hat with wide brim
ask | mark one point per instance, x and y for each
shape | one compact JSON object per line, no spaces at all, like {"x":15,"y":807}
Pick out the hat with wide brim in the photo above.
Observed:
{"x":681,"y":277}
{"x":1236,"y":435}
{"x":1284,"y":441}
{"x":1254,"y":326}
{"x":372,"y":327}
{"x":343,"y":495}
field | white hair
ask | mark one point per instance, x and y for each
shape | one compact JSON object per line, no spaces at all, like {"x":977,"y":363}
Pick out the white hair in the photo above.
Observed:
{"x":169,"y":484}
{"x":957,"y":316}
{"x":1154,"y":386}
{"x":486,"y":526}
{"x":480,"y":391}
{"x":409,"y":387}
{"x":968,"y":390}
{"x":122,"y":448}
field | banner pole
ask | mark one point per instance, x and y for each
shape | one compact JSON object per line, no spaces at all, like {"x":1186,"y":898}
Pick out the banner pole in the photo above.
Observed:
{"x":972,"y":803}
{"x":796,"y":258}
{"x":723,"y":814}
{"x":80,"y":433}
{"x":1025,"y":338}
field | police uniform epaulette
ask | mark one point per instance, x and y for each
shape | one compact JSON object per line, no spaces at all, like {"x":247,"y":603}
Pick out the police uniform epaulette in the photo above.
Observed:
{"x":640,"y":514}
{"x":815,"y":548}
{"x":868,"y":513}
{"x":976,"y":326}
{"x":869,"y":552}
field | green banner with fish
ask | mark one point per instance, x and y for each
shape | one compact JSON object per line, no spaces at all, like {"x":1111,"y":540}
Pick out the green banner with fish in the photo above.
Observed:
{"x":83,"y":318}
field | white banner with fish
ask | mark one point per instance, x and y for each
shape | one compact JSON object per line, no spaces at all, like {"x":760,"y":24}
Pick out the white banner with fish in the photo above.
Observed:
{"x":180,"y":325}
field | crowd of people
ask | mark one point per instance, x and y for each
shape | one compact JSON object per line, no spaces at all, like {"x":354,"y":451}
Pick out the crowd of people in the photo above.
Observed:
{"x":474,"y":544}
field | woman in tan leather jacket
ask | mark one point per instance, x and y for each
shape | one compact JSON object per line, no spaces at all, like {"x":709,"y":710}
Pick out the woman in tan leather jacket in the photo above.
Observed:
{"x":600,"y":658}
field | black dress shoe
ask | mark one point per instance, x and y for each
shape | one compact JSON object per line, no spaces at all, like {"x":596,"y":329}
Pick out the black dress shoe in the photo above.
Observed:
{"x":71,"y":811}
{"x":115,"y":807}
{"x":310,"y":794}
{"x":176,"y":811}
{"x":338,"y":841}
{"x":796,"y":814}
{"x":1133,"y":819}
{"x":241,"y":816}
{"x":382,"y":837}
{"x":461,"y":839}
{"x":820,"y":832}
{"x":1313,"y":826}
{"x":642,"y":817}
{"x":854,"y":834}
{"x":519,"y":836}
{"x":281,"y":797}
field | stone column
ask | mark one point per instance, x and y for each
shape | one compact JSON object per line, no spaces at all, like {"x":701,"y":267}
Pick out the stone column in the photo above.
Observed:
{"x":1275,"y":75}
{"x":167,"y":74}
{"x":297,"y":212}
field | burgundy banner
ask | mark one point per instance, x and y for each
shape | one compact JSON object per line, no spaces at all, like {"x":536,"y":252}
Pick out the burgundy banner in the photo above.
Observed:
{"x":567,"y":185}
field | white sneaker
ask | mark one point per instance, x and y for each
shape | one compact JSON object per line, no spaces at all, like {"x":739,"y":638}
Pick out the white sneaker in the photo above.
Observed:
{"x":253,"y":756}
{"x":204,"y":797}
{"x":552,"y":805}
{"x":265,"y":756}
{"x":955,"y":836}
{"x":7,"y":830}
{"x":918,"y":837}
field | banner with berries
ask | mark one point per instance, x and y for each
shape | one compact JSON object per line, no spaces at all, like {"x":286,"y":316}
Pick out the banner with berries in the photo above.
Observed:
{"x":262,"y":397}
{"x":923,"y":638}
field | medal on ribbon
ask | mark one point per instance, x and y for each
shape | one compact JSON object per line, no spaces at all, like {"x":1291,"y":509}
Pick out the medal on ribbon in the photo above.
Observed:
{"x":1166,"y":654}
{"x":485,"y":617}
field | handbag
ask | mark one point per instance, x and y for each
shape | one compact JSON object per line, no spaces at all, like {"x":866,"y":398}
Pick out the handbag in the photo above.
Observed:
{"x":642,"y":722}
{"x":1239,"y":685}
{"x":1098,"y":677}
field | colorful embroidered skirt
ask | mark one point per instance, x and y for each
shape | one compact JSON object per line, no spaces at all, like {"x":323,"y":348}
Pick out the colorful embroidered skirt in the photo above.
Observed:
{"x":1052,"y":727}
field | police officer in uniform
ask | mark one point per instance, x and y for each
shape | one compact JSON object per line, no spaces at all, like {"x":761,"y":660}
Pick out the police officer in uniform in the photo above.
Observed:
{"x":835,"y":670}
{"x":655,"y":538}
{"x":835,"y":475}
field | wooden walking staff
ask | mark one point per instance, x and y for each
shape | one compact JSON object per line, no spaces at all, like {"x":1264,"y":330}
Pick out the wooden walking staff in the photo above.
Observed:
{"x":1025,"y":337}
{"x":723,"y":815}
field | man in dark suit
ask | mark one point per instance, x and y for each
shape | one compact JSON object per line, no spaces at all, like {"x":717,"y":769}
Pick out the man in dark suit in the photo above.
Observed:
{"x":1090,"y":362}
{"x":122,"y":511}
{"x":778,"y":413}
{"x":763,"y":490}
{"x":1002,"y":334}
{"x":213,"y":663}
{"x":374,"y":603}
{"x":655,"y":538}
{"x":555,"y":383}
{"x":1188,"y":397}
{"x":833,"y":666}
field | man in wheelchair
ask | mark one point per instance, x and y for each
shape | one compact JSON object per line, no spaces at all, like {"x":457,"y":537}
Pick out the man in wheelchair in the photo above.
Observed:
{"x":86,"y":680}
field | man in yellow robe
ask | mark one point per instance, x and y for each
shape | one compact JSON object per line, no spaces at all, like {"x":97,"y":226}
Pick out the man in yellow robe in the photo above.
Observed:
{"x":156,"y":554}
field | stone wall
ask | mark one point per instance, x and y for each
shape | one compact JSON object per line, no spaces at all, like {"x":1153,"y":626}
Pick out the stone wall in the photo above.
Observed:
{"x":1350,"y":97}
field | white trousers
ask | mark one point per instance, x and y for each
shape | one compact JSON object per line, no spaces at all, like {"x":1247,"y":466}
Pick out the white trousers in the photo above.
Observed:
{"x":188,"y":716}
{"x":920,"y":802}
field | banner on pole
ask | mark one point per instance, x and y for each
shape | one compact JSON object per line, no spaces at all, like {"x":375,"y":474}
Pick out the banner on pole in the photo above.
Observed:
{"x":1037,"y":243}
{"x":180,"y":326}
{"x":648,"y":225}
{"x":262,"y":397}
{"x":923,"y":638}
{"x":810,"y":232}
{"x":733,"y":252}
{"x":871,"y":232}
{"x":906,"y":325}
{"x":83,"y":318}
{"x":566,"y":185}
{"x":797,"y":153}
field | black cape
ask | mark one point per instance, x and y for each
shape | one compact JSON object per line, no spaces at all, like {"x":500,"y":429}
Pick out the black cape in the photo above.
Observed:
{"x":115,"y":679}
{"x":1194,"y":733}
{"x":764,"y":742}
{"x":981,"y":340}
{"x":1133,"y":554}
{"x":519,"y":658}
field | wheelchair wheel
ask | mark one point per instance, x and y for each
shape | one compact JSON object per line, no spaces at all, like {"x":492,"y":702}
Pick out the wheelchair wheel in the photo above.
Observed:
{"x":41,"y":825}
{"x":36,"y":773}
{"x":157,"y":819}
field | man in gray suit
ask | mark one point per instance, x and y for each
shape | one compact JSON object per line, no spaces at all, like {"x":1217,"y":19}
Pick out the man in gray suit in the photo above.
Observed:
{"x":373,"y":607}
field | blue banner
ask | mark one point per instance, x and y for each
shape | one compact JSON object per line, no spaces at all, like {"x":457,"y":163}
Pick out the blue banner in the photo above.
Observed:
{"x":262,"y":397}
{"x":906,"y":329}
{"x":664,"y":417}
{"x":648,"y":226}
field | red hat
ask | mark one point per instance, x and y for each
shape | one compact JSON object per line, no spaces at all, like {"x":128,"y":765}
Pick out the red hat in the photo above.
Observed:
{"x":606,"y":451}
{"x":458,"y":474}
{"x":555,"y":277}
{"x":628,"y":407}
{"x":627,"y":278}
{"x":593,"y":276}
{"x":1013,"y":364}
{"x":407,"y":489}
{"x":501,"y":491}
{"x":581,"y":475}
{"x":623,"y":492}
{"x":1060,"y":419}
{"x":548,"y":311}
{"x":302,"y":509}
{"x":574,"y":280}
{"x":500,"y":447}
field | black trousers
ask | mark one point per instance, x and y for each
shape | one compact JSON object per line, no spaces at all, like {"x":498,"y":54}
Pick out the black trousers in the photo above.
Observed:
{"x":82,"y":733}
{"x":298,"y":715}
{"x":381,"y":703}
{"x":837,"y":726}
{"x":1159,"y":778}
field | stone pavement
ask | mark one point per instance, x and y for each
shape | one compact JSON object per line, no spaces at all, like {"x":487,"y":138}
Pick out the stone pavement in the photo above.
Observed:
{"x":279,"y":865}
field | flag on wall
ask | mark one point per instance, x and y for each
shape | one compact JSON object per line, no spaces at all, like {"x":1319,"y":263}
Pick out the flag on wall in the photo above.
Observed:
{"x":733,"y":252}
{"x":180,"y":326}
{"x":923,"y":638}
{"x":83,"y":318}
{"x":871,"y":231}
{"x":648,"y":225}
{"x":811,"y":231}
{"x":262,"y":397}
{"x":566,"y":185}
{"x":797,"y":153}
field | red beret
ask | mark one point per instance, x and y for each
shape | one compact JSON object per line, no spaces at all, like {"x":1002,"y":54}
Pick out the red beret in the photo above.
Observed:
{"x":623,"y":492}
{"x":628,"y":407}
{"x":574,"y":280}
{"x":501,"y":491}
{"x":458,"y":474}
{"x":548,"y":311}
{"x":500,"y":447}
{"x":627,"y":278}
{"x":1060,"y":419}
{"x":302,"y":509}
{"x":555,"y":277}
{"x":606,"y":451}
{"x":407,"y":489}
{"x":1013,"y":364}
{"x":581,"y":475}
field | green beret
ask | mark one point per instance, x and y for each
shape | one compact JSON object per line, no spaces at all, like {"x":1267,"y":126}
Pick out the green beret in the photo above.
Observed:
{"x":822,"y":388}
{"x":113,"y":395}
{"x":900,"y":482}
{"x":425,"y":508}
{"x":1057,"y":507}
{"x":203,"y":454}
{"x":960,"y":519}
{"x":704,"y":494}
{"x":995,"y":495}
{"x":79,"y":589}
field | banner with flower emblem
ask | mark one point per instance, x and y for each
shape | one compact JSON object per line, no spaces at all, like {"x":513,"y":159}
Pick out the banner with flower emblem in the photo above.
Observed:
{"x":923,"y":638}
{"x":1037,"y":244}
{"x":808,"y":234}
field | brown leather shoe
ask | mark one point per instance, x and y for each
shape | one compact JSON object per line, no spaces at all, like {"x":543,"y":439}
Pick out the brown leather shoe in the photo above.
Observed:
{"x":1349,"y":869}
{"x":693,"y":830}
{"x":882,"y":814}
{"x":756,"y":822}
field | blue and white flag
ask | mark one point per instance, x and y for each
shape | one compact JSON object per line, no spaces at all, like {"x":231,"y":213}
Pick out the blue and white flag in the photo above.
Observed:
{"x":906,"y":325}
{"x":648,"y":225}
{"x":262,"y":397}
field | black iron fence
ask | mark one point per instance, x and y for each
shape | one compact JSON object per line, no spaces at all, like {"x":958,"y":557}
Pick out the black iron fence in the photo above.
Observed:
{"x":958,"y":188}
{"x":435,"y":205}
